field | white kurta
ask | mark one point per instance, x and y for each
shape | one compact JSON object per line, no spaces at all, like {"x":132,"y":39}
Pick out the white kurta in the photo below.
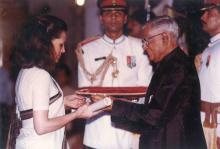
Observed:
{"x":34,"y":87}
{"x":134,"y":70}
{"x":209,"y":74}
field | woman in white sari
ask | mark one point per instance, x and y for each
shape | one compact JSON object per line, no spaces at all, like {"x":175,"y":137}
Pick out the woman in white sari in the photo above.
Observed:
{"x":39,"y":99}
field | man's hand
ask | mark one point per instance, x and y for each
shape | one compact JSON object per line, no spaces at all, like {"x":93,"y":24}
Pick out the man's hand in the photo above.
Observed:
{"x":95,"y":98}
{"x":108,"y":109}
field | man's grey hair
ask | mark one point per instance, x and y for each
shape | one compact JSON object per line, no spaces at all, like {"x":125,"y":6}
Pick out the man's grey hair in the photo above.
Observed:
{"x":165,"y":24}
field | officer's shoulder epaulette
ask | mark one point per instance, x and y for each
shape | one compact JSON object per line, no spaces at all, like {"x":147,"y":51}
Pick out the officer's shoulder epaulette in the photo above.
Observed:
{"x":88,"y":40}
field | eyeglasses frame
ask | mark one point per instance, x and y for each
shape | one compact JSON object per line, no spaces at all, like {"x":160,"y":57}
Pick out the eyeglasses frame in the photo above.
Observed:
{"x":146,"y":41}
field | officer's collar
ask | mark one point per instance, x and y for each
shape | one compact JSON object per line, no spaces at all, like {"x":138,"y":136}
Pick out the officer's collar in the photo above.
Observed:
{"x":117,"y":41}
{"x":214,"y":39}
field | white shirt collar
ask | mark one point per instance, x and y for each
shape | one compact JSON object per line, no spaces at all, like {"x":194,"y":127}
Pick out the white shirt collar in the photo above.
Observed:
{"x":214,"y":40}
{"x":117,"y":41}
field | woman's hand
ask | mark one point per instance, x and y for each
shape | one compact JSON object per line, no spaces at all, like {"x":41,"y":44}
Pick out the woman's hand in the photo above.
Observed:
{"x":74,"y":101}
{"x":85,"y":112}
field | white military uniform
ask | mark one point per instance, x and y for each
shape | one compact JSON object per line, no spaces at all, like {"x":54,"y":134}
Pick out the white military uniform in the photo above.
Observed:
{"x":134,"y":70}
{"x":209,"y":75}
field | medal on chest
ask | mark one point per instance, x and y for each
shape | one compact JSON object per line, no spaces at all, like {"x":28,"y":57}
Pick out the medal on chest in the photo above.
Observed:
{"x":131,"y":61}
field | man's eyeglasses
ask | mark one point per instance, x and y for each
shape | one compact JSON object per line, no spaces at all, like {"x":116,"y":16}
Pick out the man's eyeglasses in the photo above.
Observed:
{"x":209,"y":7}
{"x":146,"y":41}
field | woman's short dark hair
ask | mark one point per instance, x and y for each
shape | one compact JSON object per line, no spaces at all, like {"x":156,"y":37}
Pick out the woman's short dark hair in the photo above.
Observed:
{"x":34,"y":43}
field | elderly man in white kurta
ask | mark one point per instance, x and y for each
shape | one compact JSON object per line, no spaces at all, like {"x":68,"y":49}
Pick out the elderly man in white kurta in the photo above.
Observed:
{"x":112,"y":60}
{"x":209,"y":74}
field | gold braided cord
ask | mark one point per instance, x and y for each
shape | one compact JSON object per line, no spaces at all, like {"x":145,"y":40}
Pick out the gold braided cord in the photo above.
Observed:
{"x":101,"y":71}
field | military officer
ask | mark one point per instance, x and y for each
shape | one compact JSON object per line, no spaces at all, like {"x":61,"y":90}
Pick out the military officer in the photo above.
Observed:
{"x":209,"y":74}
{"x":111,"y":60}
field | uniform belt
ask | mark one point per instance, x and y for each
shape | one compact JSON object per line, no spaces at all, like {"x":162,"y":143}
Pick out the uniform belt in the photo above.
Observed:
{"x":210,"y":110}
